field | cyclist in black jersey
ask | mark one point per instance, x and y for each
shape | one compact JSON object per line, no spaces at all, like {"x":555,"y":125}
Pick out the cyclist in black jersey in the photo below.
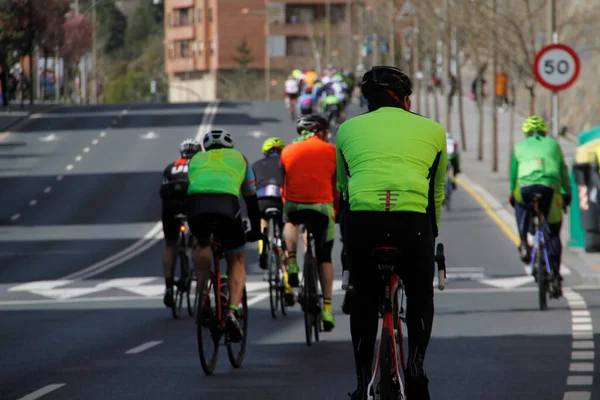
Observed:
{"x":172,"y":192}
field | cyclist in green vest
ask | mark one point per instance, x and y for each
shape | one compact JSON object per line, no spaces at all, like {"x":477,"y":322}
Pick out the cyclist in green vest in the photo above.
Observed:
{"x":216,"y":177}
{"x":538,"y":166}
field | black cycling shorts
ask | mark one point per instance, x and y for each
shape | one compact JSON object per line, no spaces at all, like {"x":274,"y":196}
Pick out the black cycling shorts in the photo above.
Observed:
{"x":318,"y":224}
{"x":265,"y":203}
{"x":218,"y":215}
{"x":170,"y":225}
{"x":410,"y":232}
{"x":306,"y":111}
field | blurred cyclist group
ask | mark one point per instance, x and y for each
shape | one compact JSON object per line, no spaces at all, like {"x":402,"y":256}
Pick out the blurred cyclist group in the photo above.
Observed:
{"x":329,"y":93}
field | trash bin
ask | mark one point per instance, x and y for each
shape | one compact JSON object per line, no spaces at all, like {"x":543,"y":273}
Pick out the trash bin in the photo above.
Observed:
{"x":587,"y":181}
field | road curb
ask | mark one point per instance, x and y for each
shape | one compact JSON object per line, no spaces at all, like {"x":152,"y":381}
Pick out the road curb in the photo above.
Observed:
{"x":19,"y":122}
{"x":586,"y":274}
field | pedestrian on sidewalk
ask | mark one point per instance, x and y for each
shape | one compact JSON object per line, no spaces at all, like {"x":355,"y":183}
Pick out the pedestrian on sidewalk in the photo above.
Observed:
{"x":452,"y":88}
{"x":502,"y":90}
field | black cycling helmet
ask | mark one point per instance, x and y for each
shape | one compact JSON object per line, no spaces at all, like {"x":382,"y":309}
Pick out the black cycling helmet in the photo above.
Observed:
{"x":385,"y":78}
{"x":312,"y":123}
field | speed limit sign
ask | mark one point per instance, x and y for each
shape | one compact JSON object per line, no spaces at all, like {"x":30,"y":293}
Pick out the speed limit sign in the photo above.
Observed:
{"x":556,"y":67}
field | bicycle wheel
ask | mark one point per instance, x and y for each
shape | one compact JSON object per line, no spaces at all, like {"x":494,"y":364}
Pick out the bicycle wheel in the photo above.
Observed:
{"x":207,"y":323}
{"x":236,"y":351}
{"x":274,"y":292}
{"x":541,"y":276}
{"x":386,"y":387}
{"x":399,"y":327}
{"x":308,"y":290}
{"x":192,"y":294}
{"x":179,"y":287}
{"x":281,"y":283}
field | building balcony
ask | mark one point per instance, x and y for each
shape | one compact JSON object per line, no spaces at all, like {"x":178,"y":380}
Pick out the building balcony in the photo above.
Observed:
{"x":180,"y":64}
{"x":311,"y":2}
{"x":180,"y":4}
{"x":175,"y":33}
{"x":289,"y":29}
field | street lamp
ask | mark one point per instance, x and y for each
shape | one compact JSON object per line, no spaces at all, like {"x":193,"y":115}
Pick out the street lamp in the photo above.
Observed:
{"x":247,"y":11}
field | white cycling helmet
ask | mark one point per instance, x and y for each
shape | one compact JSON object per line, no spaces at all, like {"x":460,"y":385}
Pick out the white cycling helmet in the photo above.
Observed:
{"x":189,"y":147}
{"x":218,"y":138}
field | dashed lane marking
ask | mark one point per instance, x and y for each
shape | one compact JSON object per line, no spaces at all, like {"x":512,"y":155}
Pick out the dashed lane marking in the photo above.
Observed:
{"x":144,"y":347}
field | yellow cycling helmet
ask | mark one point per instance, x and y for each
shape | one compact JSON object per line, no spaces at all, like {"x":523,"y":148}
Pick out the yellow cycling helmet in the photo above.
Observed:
{"x":272,"y":143}
{"x":534,"y":124}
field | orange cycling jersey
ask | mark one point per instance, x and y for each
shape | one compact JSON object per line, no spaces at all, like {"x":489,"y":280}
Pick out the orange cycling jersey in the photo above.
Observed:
{"x":310,"y":175}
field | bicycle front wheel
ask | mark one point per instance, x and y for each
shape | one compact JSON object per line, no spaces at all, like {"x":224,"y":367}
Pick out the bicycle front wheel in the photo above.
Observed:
{"x":179,"y":287}
{"x":274,"y":292}
{"x":207,"y":323}
{"x":386,"y":387}
{"x":236,"y":351}
{"x":308,"y":290}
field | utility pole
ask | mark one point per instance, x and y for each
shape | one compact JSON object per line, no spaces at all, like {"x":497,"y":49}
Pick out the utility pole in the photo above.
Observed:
{"x":416,"y":61}
{"x":494,"y":107}
{"x":351,"y":39}
{"x":448,"y":58}
{"x":328,"y":32}
{"x":553,"y":38}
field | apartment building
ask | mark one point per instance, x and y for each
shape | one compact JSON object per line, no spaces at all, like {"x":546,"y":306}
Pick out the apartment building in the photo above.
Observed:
{"x":201,"y":37}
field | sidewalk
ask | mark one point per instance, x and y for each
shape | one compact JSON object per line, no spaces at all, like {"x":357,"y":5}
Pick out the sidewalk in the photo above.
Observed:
{"x":495,"y":185}
{"x":9,"y":117}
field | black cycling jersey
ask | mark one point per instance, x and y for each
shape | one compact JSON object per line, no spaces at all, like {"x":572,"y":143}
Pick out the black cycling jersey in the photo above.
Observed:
{"x":268,"y":171}
{"x":175,"y":181}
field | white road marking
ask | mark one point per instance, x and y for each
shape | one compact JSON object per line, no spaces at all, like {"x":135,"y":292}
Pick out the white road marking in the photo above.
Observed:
{"x":32,"y":203}
{"x":86,"y":149}
{"x":78,"y":158}
{"x":47,"y":190}
{"x":580,"y":380}
{"x":39,"y":285}
{"x":508,"y":283}
{"x":144,"y":347}
{"x":43,"y":391}
{"x":124,"y":282}
{"x":95,"y":141}
{"x":69,"y":167}
{"x":59,"y":178}
{"x":15,"y":217}
{"x":102,"y":134}
{"x":257,"y":299}
{"x":582,"y":346}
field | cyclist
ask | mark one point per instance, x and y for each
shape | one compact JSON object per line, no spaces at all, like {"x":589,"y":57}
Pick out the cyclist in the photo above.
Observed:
{"x":291,"y":91}
{"x":310,"y":188}
{"x":387,"y":208}
{"x":453,"y":157}
{"x":538,"y":166}
{"x":332,"y":106}
{"x":172,"y":192}
{"x":302,"y":128}
{"x":305,"y":103}
{"x":216,"y":177}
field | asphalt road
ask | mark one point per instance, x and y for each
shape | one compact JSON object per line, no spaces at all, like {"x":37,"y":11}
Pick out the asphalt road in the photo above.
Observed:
{"x":70,"y":314}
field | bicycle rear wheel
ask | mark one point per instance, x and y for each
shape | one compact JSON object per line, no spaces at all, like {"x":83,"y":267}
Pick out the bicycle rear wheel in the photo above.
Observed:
{"x":274,"y":292}
{"x":308,"y":290}
{"x":236,"y":351}
{"x":207,"y":323}
{"x":179,"y":287}
{"x":386,"y":386}
{"x":541,"y":276}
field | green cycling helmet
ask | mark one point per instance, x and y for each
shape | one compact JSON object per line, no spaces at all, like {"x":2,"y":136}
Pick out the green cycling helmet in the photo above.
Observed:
{"x":272,"y":143}
{"x":534,"y":124}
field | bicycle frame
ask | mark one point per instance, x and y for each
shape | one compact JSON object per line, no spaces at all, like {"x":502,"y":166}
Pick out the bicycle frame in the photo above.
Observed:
{"x":539,"y":239}
{"x":217,"y":255}
{"x":389,"y":292}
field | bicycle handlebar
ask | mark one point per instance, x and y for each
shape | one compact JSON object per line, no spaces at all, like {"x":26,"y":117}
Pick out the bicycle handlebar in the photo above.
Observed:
{"x":440,"y":260}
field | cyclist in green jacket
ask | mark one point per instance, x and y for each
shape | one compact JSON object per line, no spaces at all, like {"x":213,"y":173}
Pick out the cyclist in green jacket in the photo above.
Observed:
{"x":391,"y":169}
{"x":538,"y":166}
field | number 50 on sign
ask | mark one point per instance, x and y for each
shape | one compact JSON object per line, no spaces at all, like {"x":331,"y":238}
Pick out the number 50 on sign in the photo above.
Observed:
{"x":556,"y":67}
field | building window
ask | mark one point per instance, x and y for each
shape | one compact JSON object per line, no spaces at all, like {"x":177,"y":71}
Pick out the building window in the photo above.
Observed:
{"x":183,"y":17}
{"x":298,"y":46}
{"x":183,"y":48}
{"x":200,"y":16}
{"x":299,"y":14}
{"x":209,"y":15}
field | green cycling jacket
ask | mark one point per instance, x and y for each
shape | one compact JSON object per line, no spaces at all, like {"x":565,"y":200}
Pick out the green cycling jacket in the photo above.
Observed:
{"x":392,"y":160}
{"x":538,"y":160}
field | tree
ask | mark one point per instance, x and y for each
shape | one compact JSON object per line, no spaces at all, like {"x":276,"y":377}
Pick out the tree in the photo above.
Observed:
{"x":112,"y":25}
{"x":238,"y":84}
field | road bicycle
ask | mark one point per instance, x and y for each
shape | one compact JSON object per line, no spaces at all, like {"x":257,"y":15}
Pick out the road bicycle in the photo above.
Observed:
{"x":545,"y":274}
{"x":274,"y":246}
{"x":211,"y":317}
{"x":183,"y":285}
{"x":310,"y":296}
{"x":391,"y":357}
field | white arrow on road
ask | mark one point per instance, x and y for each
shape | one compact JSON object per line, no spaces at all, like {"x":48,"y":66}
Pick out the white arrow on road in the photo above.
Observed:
{"x":256,"y":134}
{"x":508,"y":283}
{"x":50,"y":138}
{"x":150,"y":136}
